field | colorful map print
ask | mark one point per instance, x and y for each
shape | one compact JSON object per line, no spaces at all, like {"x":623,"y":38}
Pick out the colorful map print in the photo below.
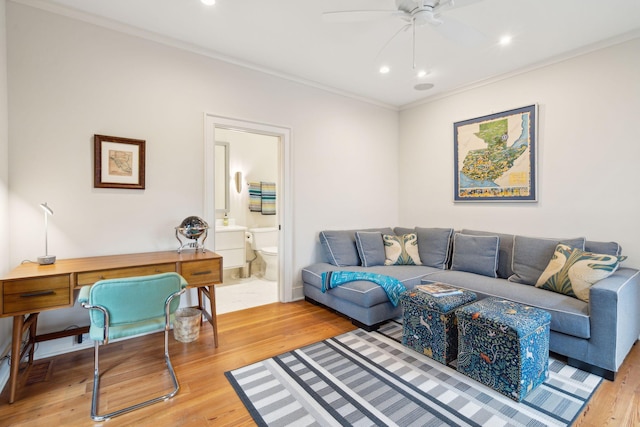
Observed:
{"x":494,"y":158}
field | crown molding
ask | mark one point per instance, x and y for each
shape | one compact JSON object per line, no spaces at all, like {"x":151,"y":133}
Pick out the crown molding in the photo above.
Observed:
{"x":189,"y":47}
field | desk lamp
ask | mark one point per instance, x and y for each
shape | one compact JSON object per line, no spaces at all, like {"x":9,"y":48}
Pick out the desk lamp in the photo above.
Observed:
{"x":46,"y":259}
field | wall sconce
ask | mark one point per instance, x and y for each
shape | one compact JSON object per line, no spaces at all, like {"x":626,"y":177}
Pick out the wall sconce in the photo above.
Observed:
{"x":46,"y":259}
{"x":239,"y":182}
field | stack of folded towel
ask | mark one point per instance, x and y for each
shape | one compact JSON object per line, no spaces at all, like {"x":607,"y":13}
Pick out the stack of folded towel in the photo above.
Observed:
{"x":262,"y":197}
{"x":268,"y":198}
{"x":255,"y":198}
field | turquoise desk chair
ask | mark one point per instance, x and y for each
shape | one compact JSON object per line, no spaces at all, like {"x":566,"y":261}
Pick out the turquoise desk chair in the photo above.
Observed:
{"x":121,"y":308}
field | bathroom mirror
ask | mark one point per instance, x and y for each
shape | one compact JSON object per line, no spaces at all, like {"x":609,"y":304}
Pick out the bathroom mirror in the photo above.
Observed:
{"x":221,"y":177}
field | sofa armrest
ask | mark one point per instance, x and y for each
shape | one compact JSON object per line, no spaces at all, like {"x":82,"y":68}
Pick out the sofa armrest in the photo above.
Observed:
{"x":615,"y":318}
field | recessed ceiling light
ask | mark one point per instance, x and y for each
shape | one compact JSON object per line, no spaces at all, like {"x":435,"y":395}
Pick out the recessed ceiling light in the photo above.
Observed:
{"x":208,"y":2}
{"x":384,"y":69}
{"x":423,"y":86}
{"x":505,"y":40}
{"x":423,"y":73}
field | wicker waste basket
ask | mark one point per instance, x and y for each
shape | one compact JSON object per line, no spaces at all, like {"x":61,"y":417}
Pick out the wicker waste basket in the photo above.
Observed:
{"x":186,"y":326}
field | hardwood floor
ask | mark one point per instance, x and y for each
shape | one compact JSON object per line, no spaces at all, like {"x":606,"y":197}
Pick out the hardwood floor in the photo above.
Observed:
{"x":60,"y":392}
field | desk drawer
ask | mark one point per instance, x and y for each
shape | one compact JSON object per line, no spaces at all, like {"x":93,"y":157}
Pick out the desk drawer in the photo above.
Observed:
{"x":28,"y":295}
{"x":202,"y":272}
{"x":91,"y":277}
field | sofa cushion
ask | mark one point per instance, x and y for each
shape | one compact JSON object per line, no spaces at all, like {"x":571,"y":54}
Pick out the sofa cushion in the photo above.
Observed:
{"x":364,"y":293}
{"x":505,"y":252}
{"x":568,"y":315}
{"x":401,"y":250}
{"x":475,"y":254}
{"x":370,"y":248}
{"x":572,"y":271}
{"x":339,"y":246}
{"x":609,"y":248}
{"x":532,"y":254}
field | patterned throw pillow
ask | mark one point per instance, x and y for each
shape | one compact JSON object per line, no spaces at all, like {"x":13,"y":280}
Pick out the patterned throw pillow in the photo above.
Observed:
{"x":401,"y":250}
{"x":572,"y":271}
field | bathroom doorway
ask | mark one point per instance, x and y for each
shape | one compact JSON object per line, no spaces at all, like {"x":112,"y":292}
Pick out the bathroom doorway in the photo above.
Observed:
{"x":256,"y":180}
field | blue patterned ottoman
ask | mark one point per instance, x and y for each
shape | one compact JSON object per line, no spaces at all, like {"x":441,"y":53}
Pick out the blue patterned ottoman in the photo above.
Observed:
{"x":504,"y":345}
{"x":429,"y":323}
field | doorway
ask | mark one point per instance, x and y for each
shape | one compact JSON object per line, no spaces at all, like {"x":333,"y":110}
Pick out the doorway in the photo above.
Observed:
{"x":219,"y":129}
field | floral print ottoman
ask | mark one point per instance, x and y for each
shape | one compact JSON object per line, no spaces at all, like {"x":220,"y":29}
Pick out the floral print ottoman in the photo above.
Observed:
{"x":504,"y":345}
{"x":429,"y":323}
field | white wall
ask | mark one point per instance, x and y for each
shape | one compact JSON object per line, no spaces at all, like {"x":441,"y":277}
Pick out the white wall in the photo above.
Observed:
{"x":589,"y":108}
{"x":69,"y":80}
{"x":5,"y":324}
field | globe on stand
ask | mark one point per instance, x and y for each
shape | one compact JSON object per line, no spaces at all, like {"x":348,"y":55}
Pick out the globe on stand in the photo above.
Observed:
{"x":192,"y":228}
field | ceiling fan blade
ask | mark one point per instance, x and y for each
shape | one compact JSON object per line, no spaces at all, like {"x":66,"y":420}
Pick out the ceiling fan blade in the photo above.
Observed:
{"x":403,"y":28}
{"x":454,"y":4}
{"x":459,"y":32}
{"x":348,"y":16}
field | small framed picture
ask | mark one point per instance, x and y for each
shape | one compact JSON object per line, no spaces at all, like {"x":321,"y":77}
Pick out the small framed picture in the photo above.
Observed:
{"x":118,"y":162}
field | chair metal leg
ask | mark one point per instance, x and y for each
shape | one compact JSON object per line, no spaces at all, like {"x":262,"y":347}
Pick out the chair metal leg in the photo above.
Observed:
{"x":96,"y":384}
{"x":96,"y":367}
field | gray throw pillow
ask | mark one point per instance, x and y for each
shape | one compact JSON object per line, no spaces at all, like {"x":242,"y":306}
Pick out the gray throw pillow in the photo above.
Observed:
{"x":340,"y":247}
{"x":370,"y":248}
{"x":475,"y":254}
{"x":505,"y":253}
{"x":609,"y":248}
{"x":434,"y":246}
{"x":531,"y":255}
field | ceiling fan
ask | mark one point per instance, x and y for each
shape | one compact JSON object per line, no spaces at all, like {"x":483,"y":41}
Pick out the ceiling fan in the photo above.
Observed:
{"x":417,"y":13}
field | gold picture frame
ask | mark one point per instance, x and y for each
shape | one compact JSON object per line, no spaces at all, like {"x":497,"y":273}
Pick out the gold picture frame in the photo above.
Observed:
{"x":118,"y":162}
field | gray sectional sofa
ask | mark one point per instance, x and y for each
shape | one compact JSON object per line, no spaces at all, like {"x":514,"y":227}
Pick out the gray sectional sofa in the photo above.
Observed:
{"x":595,"y":336}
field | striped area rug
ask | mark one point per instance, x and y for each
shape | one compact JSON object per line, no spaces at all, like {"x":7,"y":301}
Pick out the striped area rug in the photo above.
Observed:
{"x":369,"y":379}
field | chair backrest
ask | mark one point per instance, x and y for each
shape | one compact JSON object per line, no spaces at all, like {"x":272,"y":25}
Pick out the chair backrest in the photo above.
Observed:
{"x":134,"y":299}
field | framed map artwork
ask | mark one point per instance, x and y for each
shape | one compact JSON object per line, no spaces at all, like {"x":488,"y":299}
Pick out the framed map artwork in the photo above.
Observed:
{"x":495,"y":157}
{"x":118,"y":162}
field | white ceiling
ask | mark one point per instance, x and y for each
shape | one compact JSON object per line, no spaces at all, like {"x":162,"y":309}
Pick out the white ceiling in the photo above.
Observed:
{"x":291,"y":38}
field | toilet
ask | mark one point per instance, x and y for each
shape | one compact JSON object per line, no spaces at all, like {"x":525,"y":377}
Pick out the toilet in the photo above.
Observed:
{"x":264,"y":240}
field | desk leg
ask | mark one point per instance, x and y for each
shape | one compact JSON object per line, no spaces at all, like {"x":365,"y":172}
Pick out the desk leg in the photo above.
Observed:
{"x":200,"y":306}
{"x":19,"y":325}
{"x":18,"y":322}
{"x":209,"y":292}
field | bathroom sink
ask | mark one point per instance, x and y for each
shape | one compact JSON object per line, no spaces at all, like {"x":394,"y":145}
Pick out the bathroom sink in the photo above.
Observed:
{"x":229,"y":228}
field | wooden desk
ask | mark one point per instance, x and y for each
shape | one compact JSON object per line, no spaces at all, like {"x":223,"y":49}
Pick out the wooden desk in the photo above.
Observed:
{"x":31,"y":288}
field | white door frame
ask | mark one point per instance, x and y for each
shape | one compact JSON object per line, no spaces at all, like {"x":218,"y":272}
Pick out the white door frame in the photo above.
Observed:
{"x":284,"y":203}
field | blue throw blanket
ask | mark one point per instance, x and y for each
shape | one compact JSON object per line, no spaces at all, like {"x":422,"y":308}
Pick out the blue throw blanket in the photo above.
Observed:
{"x":392,"y":286}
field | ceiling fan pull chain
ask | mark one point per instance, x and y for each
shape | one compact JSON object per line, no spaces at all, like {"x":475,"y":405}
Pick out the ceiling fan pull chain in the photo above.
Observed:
{"x":413,"y":21}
